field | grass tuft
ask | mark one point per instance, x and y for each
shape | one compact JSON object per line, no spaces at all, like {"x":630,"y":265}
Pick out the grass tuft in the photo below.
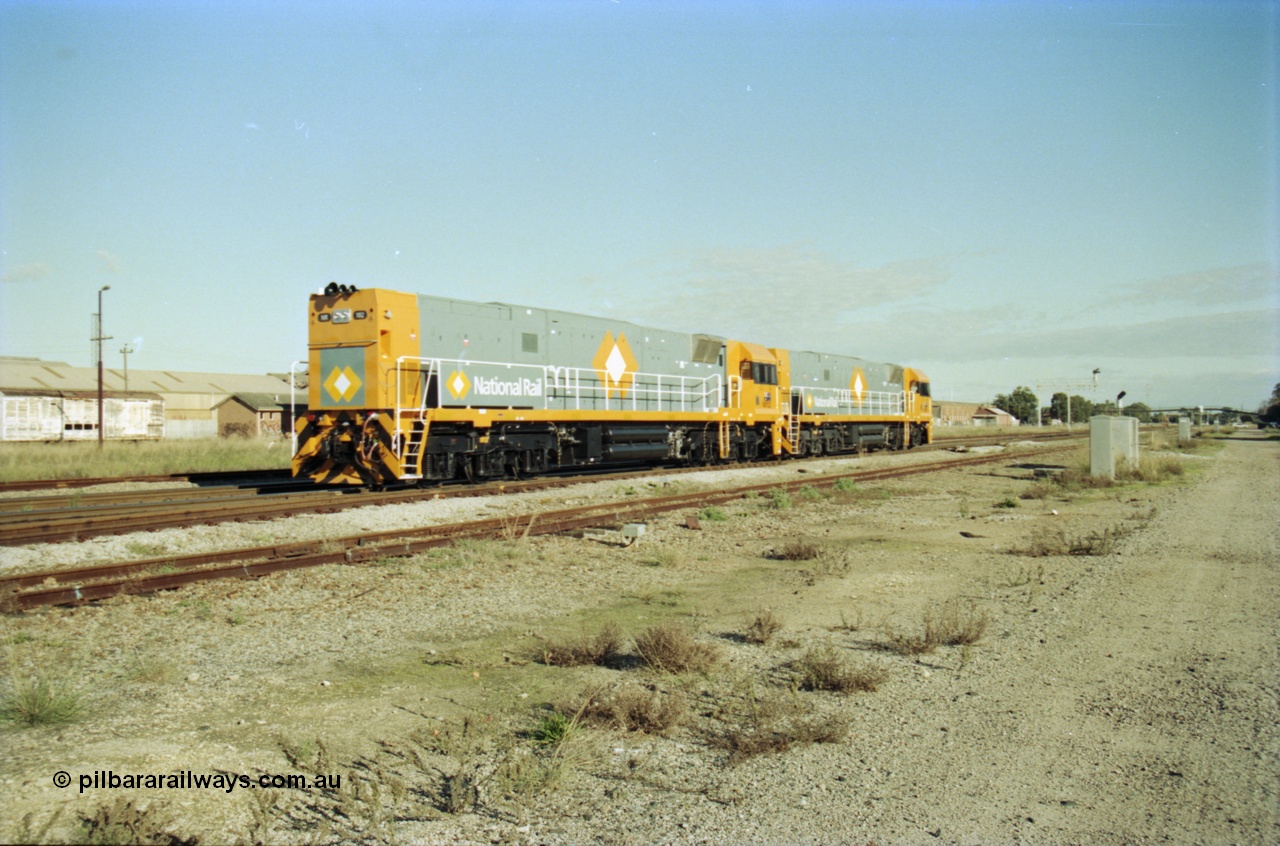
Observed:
{"x":799,"y":549}
{"x":780,"y":499}
{"x":40,"y":702}
{"x":633,"y":707}
{"x":1058,"y":542}
{"x":824,"y":668}
{"x":670,"y":648}
{"x":954,"y":624}
{"x":762,"y":629}
{"x":599,"y":648}
{"x":744,"y":743}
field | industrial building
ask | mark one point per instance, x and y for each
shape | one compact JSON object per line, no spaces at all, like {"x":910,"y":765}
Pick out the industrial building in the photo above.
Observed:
{"x":52,"y":400}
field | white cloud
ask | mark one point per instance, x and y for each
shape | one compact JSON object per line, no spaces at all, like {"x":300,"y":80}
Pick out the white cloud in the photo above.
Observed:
{"x":26,"y":272}
{"x":110,"y":262}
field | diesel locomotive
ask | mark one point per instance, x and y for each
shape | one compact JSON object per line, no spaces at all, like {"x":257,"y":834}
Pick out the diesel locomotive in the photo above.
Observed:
{"x":414,"y":388}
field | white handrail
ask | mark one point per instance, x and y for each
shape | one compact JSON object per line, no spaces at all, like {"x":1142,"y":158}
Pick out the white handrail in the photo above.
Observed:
{"x":568,"y":387}
{"x":842,"y":401}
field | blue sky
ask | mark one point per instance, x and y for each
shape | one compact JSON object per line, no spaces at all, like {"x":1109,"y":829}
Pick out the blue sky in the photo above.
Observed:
{"x":1002,"y":193}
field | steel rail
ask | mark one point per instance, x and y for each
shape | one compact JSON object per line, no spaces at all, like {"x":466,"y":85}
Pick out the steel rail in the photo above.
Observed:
{"x":231,"y":477}
{"x":30,"y":590}
{"x":96,"y":515}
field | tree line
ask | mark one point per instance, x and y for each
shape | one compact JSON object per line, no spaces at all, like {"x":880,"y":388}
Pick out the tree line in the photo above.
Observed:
{"x":1023,"y":404}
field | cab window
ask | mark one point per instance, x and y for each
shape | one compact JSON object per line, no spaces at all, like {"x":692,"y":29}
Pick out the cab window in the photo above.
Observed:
{"x":764,"y":374}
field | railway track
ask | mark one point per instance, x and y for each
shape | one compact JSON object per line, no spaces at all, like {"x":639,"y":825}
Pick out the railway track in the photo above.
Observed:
{"x":221,"y":478}
{"x":69,"y":517}
{"x":61,"y":587}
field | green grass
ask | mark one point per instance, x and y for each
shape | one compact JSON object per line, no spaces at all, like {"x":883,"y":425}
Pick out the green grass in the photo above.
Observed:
{"x":40,"y":702}
{"x":20,"y":462}
{"x":780,"y":499}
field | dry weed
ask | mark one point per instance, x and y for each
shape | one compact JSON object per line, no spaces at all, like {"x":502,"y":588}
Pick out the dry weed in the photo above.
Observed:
{"x":954,"y":624}
{"x":633,"y":707}
{"x":1058,"y":542}
{"x":762,"y":629}
{"x":824,"y":668}
{"x":670,"y":648}
{"x":799,"y":549}
{"x":744,"y":743}
{"x":600,"y":648}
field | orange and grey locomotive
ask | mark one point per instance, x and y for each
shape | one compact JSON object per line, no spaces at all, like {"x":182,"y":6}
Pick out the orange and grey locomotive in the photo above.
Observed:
{"x":407,"y":387}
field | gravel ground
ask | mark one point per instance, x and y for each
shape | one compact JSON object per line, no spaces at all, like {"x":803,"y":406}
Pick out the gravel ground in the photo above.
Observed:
{"x":1127,"y":696}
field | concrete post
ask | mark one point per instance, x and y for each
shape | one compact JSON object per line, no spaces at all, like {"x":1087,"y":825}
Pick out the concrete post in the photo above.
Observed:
{"x":1111,"y":439}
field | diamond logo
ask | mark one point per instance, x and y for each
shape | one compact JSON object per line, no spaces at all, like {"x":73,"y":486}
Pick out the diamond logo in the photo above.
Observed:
{"x":458,"y":384}
{"x":342,"y":384}
{"x":615,"y":364}
{"x":858,"y":384}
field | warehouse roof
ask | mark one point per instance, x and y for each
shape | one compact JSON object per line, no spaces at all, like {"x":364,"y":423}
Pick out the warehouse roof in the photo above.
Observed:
{"x":264,"y":402}
{"x":34,"y":374}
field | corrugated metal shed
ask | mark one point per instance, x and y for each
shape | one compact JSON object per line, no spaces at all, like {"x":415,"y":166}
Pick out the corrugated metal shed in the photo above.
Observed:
{"x":189,"y":398}
{"x":34,"y":374}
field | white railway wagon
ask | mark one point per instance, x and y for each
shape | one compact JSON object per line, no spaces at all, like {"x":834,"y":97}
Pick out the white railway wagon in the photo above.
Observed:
{"x":73,"y":416}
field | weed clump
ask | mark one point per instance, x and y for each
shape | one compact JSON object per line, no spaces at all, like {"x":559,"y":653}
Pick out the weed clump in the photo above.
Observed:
{"x":799,"y":549}
{"x":123,"y":822}
{"x":670,"y":648}
{"x":40,"y":702}
{"x":663,"y":558}
{"x":762,"y":629}
{"x":744,"y":743}
{"x":1152,"y":470}
{"x":780,"y":499}
{"x":553,"y":729}
{"x":1058,"y":542}
{"x":632,"y":707}
{"x":713,"y":514}
{"x":823,"y":668}
{"x":599,"y":648}
{"x":955,"y":624}
{"x":809,"y":492}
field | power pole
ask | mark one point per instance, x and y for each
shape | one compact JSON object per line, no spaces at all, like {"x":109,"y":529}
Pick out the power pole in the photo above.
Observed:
{"x":1069,"y":387}
{"x":99,"y":338}
{"x":125,"y":350}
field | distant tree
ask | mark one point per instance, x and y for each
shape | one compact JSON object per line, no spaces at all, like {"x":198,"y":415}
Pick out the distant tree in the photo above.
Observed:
{"x":1269,"y":411}
{"x":1022,"y":404}
{"x":1058,"y":406}
{"x":1081,"y":409}
{"x":1140,"y":410}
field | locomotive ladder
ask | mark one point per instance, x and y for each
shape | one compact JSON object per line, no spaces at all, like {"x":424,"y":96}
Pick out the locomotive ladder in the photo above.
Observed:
{"x":793,"y":432}
{"x":724,"y":438}
{"x":413,"y":447}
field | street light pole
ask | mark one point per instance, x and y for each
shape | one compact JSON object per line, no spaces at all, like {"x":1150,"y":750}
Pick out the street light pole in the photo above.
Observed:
{"x":100,"y":338}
